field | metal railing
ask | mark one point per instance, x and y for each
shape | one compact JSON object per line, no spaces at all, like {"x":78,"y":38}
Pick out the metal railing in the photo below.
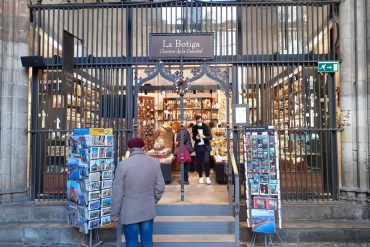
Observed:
{"x":236,"y":197}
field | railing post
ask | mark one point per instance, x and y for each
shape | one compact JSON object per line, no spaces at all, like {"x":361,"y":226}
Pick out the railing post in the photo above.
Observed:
{"x":236,"y":198}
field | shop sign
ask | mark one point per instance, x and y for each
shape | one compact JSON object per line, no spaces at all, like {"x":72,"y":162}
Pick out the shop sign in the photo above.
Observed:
{"x":175,"y":46}
{"x":328,"y":67}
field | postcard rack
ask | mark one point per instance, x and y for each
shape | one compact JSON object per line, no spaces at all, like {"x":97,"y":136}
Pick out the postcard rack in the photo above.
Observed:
{"x":89,"y":185}
{"x":263,"y":195}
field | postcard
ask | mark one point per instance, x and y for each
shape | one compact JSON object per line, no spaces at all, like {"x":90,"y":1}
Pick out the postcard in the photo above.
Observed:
{"x":259,"y":202}
{"x":95,"y":214}
{"x":94,"y":140}
{"x":102,"y":152}
{"x":256,"y":178}
{"x":95,"y":166}
{"x":271,"y":203}
{"x":264,"y":178}
{"x":109,"y":140}
{"x":106,"y":220}
{"x":107,"y":184}
{"x":107,"y":175}
{"x":95,"y":176}
{"x":264,"y":189}
{"x":95,"y":195}
{"x":254,"y":188}
{"x":84,"y":154}
{"x":106,"y":202}
{"x":94,"y":185}
{"x":94,"y":153}
{"x":93,"y":205}
{"x":94,"y":224}
{"x":273,"y":189}
{"x":263,"y":220}
{"x":106,"y":193}
{"x":109,"y":164}
{"x":109,"y":152}
{"x":105,"y":211}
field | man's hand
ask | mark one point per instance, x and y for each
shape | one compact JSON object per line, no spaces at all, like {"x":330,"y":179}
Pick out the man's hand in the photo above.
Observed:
{"x":197,"y":137}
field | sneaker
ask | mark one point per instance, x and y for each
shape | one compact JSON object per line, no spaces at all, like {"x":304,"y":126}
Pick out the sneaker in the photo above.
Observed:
{"x":200,"y":180}
{"x":208,"y":180}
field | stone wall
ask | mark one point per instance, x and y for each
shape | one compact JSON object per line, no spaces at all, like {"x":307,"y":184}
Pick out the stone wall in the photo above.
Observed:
{"x":14,"y":30}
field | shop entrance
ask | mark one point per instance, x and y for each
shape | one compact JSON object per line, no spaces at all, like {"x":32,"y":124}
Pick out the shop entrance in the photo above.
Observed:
{"x":271,"y":50}
{"x":183,"y":92}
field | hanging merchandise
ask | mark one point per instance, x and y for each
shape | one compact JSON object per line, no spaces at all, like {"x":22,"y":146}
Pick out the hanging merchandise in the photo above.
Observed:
{"x":262,"y":183}
{"x":89,"y":183}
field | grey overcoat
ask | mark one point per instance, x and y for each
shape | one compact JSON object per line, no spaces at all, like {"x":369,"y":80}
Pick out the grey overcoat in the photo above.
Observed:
{"x":137,"y":186}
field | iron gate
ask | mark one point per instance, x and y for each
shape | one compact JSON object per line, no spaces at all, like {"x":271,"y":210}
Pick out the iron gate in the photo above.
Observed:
{"x":272,"y":47}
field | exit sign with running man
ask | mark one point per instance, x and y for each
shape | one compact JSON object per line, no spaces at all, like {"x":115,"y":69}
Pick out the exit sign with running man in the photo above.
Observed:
{"x":328,"y":67}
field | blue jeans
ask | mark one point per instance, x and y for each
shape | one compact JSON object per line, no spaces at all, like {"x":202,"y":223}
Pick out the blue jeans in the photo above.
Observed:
{"x":146,"y":234}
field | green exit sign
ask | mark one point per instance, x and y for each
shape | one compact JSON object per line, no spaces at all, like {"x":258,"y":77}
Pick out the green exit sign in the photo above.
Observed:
{"x":328,"y":67}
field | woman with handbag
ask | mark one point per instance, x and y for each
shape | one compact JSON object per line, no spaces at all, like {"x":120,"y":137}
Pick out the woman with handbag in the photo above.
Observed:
{"x":188,"y":149}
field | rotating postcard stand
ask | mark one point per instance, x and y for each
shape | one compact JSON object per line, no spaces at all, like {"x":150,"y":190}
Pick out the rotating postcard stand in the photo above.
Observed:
{"x":263,"y":196}
{"x":89,"y":184}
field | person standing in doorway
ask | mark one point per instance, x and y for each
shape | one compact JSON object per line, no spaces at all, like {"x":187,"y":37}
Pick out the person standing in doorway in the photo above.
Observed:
{"x":137,"y":187}
{"x":189,"y":147}
{"x":202,"y":137}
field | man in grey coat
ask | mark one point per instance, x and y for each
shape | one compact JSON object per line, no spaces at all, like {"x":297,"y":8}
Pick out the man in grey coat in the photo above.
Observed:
{"x":137,"y":187}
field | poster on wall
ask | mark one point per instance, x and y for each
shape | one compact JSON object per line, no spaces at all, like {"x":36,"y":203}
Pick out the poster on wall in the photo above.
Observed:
{"x":262,"y":183}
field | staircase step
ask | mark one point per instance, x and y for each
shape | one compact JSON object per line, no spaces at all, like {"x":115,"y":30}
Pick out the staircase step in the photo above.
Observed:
{"x":192,"y":210}
{"x":307,"y":231}
{"x":193,"y":240}
{"x":194,"y":225}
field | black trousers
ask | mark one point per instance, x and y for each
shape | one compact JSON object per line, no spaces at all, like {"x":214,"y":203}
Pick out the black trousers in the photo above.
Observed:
{"x":202,"y":154}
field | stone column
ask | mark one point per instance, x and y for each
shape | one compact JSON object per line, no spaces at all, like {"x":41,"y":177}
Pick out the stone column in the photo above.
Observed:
{"x":362,"y":89}
{"x":14,"y":30}
{"x":347,"y":98}
{"x":353,"y":100}
{"x":368,"y":75}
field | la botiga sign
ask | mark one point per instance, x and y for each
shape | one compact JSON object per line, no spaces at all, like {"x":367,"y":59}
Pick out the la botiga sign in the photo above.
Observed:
{"x":176,"y":46}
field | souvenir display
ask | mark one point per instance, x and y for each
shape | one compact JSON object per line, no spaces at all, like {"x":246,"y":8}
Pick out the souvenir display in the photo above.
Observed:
{"x":91,"y":166}
{"x":262,"y":183}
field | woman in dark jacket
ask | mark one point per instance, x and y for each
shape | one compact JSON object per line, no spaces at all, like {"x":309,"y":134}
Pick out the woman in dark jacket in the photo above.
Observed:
{"x":187,"y":144}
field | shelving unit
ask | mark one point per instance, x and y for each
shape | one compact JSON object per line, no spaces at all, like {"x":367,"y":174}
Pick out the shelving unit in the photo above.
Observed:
{"x":296,"y":107}
{"x":146,"y":120}
{"x":62,"y":108}
{"x":207,"y":107}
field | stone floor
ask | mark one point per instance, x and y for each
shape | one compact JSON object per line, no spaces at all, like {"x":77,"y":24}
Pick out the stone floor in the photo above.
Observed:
{"x":195,"y":193}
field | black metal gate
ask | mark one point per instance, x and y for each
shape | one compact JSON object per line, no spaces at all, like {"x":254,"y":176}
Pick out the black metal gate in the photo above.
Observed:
{"x":272,"y":47}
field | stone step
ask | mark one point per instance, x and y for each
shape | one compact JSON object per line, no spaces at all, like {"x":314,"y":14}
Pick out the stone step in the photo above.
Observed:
{"x":61,"y":233}
{"x":183,"y":225}
{"x":194,"y":225}
{"x":306,"y":231}
{"x":291,"y":211}
{"x":319,"y":210}
{"x":193,"y":210}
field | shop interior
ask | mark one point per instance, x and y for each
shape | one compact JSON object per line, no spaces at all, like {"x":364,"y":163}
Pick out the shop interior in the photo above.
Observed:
{"x":159,"y":118}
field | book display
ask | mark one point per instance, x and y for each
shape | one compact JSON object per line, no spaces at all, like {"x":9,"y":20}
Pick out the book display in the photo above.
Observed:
{"x":89,"y":184}
{"x":263,"y":182}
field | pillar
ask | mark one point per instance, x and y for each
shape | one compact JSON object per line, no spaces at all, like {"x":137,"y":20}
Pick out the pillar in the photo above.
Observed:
{"x":354,"y":99}
{"x":14,"y":30}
